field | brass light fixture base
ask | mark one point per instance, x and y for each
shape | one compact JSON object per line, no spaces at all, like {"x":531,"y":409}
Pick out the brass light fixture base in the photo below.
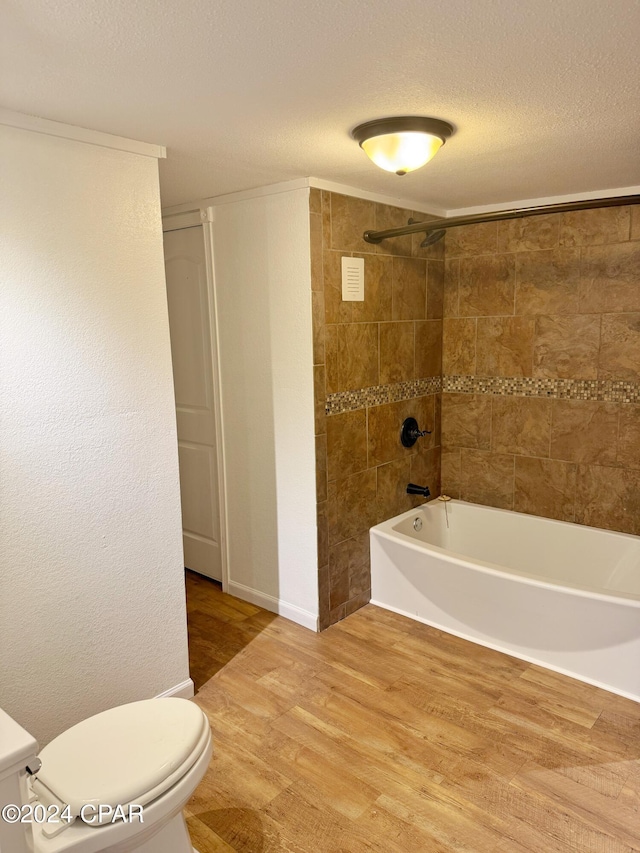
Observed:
{"x":402,"y":124}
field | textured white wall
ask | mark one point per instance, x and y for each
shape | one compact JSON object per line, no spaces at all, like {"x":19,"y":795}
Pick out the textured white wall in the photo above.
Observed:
{"x":263,"y":295}
{"x":92,"y":607}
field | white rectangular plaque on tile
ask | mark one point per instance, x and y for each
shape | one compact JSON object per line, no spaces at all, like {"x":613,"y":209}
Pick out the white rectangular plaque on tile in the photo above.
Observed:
{"x":353,"y":279}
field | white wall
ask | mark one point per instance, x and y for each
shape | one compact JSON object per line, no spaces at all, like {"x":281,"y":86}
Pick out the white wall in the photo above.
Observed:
{"x":92,"y":610}
{"x":263,"y":295}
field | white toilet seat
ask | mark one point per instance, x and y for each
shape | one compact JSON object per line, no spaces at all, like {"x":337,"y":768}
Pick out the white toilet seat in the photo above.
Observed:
{"x":129,"y":754}
{"x":170,"y":750}
{"x":124,"y":838}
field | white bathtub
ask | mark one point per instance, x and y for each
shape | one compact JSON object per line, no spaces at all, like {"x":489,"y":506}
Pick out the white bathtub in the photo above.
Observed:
{"x":564,"y":596}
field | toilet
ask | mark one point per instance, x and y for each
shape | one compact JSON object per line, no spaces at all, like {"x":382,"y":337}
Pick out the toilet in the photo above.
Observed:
{"x":139,"y":762}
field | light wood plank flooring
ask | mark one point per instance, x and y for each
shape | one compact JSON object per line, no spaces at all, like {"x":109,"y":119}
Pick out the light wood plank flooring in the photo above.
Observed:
{"x":382,"y":734}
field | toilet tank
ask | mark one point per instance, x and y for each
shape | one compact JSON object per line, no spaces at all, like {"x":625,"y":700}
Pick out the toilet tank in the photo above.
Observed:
{"x":17,"y":750}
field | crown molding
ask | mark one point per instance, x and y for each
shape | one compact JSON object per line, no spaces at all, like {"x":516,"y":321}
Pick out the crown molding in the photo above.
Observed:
{"x":540,"y":202}
{"x":80,"y":134}
{"x":394,"y":201}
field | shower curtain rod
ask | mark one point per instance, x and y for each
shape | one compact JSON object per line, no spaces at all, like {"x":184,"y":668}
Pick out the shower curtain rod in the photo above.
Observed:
{"x":435,"y":228}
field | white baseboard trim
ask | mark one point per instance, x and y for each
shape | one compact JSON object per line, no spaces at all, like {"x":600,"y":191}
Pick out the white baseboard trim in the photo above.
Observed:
{"x":185,"y":690}
{"x":274,"y":605}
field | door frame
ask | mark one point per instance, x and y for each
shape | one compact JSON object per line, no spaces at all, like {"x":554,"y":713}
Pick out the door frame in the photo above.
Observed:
{"x":205,"y":216}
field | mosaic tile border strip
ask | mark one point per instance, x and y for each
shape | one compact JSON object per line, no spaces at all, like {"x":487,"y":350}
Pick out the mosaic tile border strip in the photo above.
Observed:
{"x":597,"y":390}
{"x":377,"y":395}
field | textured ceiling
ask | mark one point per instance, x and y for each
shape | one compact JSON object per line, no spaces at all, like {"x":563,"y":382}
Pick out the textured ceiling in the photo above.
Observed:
{"x":544,"y":93}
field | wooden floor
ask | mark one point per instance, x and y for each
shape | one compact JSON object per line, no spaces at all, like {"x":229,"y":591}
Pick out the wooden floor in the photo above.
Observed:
{"x":382,"y":734}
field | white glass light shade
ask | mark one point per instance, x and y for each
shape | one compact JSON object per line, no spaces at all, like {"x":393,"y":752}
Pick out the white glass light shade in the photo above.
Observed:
{"x":402,"y":152}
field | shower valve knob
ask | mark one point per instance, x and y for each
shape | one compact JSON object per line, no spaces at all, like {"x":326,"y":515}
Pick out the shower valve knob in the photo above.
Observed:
{"x":411,"y":432}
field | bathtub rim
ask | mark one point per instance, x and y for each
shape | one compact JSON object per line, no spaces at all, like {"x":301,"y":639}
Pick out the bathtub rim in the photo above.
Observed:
{"x":386,"y":530}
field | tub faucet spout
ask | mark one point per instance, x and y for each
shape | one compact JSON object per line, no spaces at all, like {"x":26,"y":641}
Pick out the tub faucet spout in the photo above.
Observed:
{"x":412,"y":489}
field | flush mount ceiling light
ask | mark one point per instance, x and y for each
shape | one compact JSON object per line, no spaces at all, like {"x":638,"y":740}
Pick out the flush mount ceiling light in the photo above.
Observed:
{"x":404,"y":143}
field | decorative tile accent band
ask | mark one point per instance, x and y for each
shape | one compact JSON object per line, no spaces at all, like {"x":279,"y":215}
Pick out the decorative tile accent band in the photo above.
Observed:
{"x":603,"y":390}
{"x":607,"y":390}
{"x":349,"y":401}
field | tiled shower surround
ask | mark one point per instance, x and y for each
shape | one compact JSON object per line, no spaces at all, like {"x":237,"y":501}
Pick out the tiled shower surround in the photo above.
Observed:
{"x":376,"y":362}
{"x":536,"y":365}
{"x":542,"y":337}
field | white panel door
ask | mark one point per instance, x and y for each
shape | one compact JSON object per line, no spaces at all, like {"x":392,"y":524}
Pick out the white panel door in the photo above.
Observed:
{"x":193,"y":360}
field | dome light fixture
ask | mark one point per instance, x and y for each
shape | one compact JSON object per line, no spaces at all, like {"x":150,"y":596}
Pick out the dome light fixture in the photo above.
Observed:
{"x":404,"y":143}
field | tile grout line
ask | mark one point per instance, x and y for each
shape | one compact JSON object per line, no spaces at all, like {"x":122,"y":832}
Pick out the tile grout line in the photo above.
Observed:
{"x":513,"y":491}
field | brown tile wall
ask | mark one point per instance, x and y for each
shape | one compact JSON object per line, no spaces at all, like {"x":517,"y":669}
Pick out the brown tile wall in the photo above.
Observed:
{"x":552,"y":298}
{"x":394,"y":336}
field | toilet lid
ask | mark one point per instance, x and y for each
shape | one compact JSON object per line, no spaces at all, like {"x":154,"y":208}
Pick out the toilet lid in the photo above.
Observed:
{"x":121,"y":755}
